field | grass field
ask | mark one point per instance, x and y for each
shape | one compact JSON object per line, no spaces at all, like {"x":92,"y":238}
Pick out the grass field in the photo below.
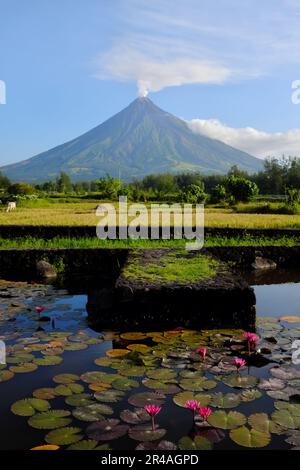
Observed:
{"x":83,"y":213}
{"x":59,"y":242}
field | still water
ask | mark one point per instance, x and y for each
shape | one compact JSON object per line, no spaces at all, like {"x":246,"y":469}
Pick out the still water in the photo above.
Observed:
{"x":71,"y":387}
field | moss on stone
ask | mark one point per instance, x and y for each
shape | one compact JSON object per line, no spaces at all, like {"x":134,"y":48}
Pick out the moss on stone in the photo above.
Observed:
{"x":170,"y":266}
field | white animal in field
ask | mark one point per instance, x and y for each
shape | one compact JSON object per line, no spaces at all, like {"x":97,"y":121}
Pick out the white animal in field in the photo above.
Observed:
{"x":11,"y":206}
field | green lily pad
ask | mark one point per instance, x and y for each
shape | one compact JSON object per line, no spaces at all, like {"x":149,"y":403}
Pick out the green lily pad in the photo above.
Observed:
{"x":261,"y":422}
{"x":75,"y":346}
{"x":286,"y":419}
{"x":238,"y":381}
{"x":86,"y":444}
{"x":250,"y":395}
{"x":20,"y":358}
{"x":109,"y":396}
{"x":50,"y":419}
{"x":92,"y":412}
{"x":6,"y":375}
{"x":293,"y":408}
{"x":225,"y":400}
{"x":65,"y":378}
{"x":29,"y":406}
{"x":48,"y":361}
{"x":134,"y":371}
{"x":147,"y":398}
{"x":181,"y":398}
{"x":223,"y":420}
{"x":144,"y":433}
{"x":125,"y":384}
{"x":198,"y":443}
{"x":134,"y":336}
{"x":197,"y":385}
{"x":161,"y":374}
{"x":80,"y":399}
{"x":64,"y":436}
{"x":164,"y":387}
{"x":23,"y":368}
{"x":191,"y":374}
{"x":251,"y":438}
{"x":45,"y":393}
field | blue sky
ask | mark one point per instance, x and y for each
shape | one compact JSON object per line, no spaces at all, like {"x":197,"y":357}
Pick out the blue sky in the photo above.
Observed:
{"x":226,"y":66}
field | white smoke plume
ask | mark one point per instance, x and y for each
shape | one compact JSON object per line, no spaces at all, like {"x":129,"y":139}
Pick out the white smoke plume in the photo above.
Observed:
{"x":152,"y":74}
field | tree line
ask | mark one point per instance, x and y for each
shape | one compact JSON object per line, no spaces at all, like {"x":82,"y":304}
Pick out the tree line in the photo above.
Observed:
{"x":279,"y":176}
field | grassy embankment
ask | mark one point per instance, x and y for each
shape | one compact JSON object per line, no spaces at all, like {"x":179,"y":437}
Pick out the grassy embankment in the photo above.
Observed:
{"x":53,"y":212}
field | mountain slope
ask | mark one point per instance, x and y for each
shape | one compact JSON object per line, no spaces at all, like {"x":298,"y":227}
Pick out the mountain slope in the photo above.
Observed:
{"x":139,"y":140}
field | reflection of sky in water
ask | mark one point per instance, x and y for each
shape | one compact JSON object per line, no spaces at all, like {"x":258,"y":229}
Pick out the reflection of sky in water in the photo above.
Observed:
{"x":278,"y":299}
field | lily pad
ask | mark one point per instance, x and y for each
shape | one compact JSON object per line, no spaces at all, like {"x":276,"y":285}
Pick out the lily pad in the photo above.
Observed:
{"x":250,"y":395}
{"x":125,"y":384}
{"x":164,"y":387}
{"x":137,"y":416}
{"x":238,"y":381}
{"x":134,"y":336}
{"x":6,"y":375}
{"x":23,"y":368}
{"x":144,"y":433}
{"x":147,"y":398}
{"x":162,"y":445}
{"x":181,"y":398}
{"x":92,"y":412}
{"x":80,"y":399}
{"x":64,"y":436}
{"x":223,"y":420}
{"x":197,"y":385}
{"x":117,"y":352}
{"x":86,"y":444}
{"x":198,"y":443}
{"x":251,"y":438}
{"x":48,"y":361}
{"x":107,"y":430}
{"x":285,"y":373}
{"x":286,"y":419}
{"x":29,"y":406}
{"x":45,"y":393}
{"x":134,"y":371}
{"x":271,"y":384}
{"x":161,"y":374}
{"x":109,"y":396}
{"x":262,"y":422}
{"x":52,"y":419}
{"x":225,"y":400}
{"x":65,"y":378}
{"x":46,"y":447}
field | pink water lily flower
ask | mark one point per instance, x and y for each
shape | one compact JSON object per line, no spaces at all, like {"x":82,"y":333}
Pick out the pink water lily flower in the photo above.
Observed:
{"x":202,"y":351}
{"x":204,"y":412}
{"x":153,"y":411}
{"x":39,"y":309}
{"x":192,"y":405}
{"x":252,"y":339}
{"x":238,"y":362}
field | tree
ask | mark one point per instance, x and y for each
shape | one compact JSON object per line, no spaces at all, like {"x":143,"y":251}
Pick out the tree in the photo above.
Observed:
{"x":63,"y":183}
{"x":194,"y":194}
{"x":20,"y":189}
{"x":109,"y":187}
{"x":240,"y":189}
{"x":4,"y":182}
{"x":218,"y":194}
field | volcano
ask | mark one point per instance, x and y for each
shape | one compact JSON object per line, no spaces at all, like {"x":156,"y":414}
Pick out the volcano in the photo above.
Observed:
{"x":139,"y":140}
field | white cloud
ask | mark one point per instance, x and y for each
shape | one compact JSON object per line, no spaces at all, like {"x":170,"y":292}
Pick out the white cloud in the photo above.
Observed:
{"x":155,"y":73}
{"x":258,"y":143}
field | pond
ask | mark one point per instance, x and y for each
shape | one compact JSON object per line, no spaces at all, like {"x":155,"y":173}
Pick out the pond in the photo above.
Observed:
{"x":70,"y":387}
